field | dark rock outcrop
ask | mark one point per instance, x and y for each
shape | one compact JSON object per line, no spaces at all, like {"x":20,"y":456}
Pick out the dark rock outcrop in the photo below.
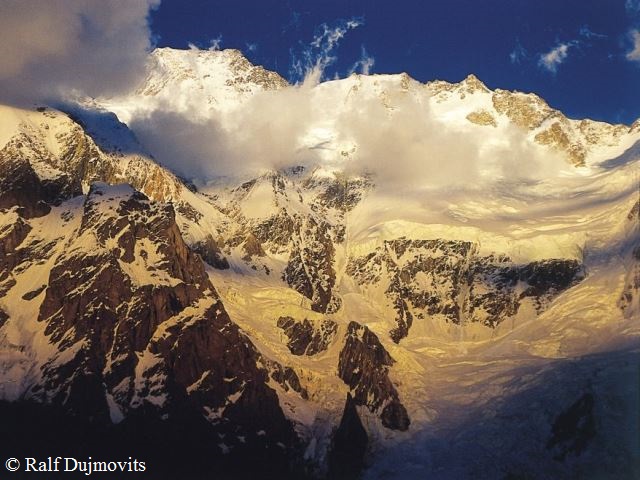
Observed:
{"x":364,"y":366}
{"x":573,"y":429}
{"x":3,"y":317}
{"x":305,"y":338}
{"x":210,"y":252}
{"x":310,"y":268}
{"x":276,"y":231}
{"x":11,"y":236}
{"x":341,"y":192}
{"x":252,"y":248}
{"x":349,"y":444}
{"x":139,"y":328}
{"x":450,"y":279}
{"x":286,"y":377}
{"x":21,"y":187}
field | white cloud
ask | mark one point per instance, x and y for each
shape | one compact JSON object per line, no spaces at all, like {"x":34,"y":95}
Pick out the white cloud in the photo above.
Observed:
{"x":406,"y":147}
{"x":634,"y":54}
{"x":50,"y":48}
{"x":364,"y":64}
{"x":555,"y":57}
{"x":586,"y":32}
{"x":318,"y":55}
{"x":518,"y":54}
{"x":215,"y":43}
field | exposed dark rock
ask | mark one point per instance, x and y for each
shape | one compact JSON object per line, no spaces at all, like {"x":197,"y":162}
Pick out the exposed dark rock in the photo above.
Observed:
{"x":188,"y":211}
{"x":343,"y":193}
{"x":277,"y":230}
{"x":634,"y":213}
{"x":631,"y":291}
{"x":349,"y":444}
{"x":21,"y":187}
{"x":34,"y":293}
{"x":305,"y":338}
{"x":310,"y":268}
{"x":252,"y":248}
{"x":404,"y":320}
{"x":3,"y":318}
{"x":448,"y":278}
{"x":286,"y":377}
{"x":549,"y":276}
{"x":573,"y":429}
{"x":364,"y":366}
{"x":491,"y":294}
{"x":105,"y":323}
{"x":211,"y":253}
{"x":11,"y":237}
{"x":440,"y":263}
{"x":208,"y":361}
{"x":394,"y":415}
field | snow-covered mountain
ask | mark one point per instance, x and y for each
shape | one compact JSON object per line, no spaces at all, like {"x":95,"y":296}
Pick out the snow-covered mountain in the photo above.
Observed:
{"x":422,"y":276}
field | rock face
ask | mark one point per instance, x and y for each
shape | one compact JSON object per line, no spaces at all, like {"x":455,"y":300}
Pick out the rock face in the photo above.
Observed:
{"x":310,"y":268}
{"x":364,"y":367}
{"x":210,"y":252}
{"x":286,"y":377}
{"x":134,"y":325}
{"x":21,"y":187}
{"x":305,"y":338}
{"x":140,"y":318}
{"x":349,"y":444}
{"x":450,"y":280}
{"x":11,"y":237}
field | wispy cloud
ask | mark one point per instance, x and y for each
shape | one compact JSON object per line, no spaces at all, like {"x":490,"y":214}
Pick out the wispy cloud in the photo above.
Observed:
{"x":551,"y":60}
{"x":634,"y":54}
{"x":329,"y":37}
{"x":632,"y":6}
{"x":633,"y":34}
{"x":215,"y":43}
{"x":586,"y":32}
{"x":319,"y":54}
{"x":251,"y":47}
{"x":518,"y":54}
{"x":364,"y":65}
{"x":555,"y":57}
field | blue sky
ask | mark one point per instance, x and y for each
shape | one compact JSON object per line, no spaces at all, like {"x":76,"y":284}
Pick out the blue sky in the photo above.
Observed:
{"x":577,"y":54}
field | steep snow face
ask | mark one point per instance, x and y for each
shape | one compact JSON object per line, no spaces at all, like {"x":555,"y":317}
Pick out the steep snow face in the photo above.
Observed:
{"x":196,"y":83}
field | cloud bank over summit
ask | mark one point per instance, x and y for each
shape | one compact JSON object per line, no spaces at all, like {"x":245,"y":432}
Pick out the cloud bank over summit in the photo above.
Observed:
{"x":49,"y":49}
{"x":101,"y":49}
{"x":361,"y":125}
